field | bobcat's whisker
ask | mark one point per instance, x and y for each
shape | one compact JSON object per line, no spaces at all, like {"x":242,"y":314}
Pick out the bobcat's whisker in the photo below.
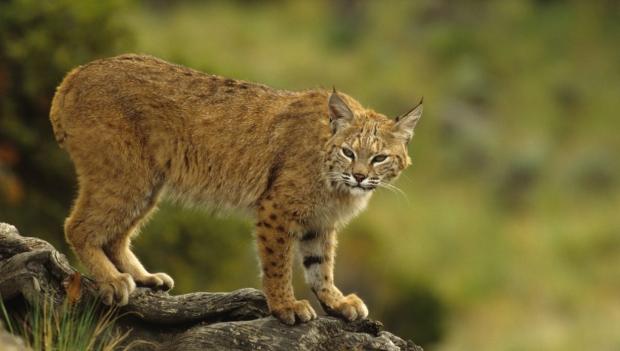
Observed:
{"x":394,"y":189}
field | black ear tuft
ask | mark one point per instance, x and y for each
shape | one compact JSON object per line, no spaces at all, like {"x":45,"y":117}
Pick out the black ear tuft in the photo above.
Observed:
{"x":405,"y":124}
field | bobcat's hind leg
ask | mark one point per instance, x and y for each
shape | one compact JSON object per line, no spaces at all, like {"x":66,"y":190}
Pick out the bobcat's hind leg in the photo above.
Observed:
{"x":120,"y":253}
{"x":118,"y":249}
{"x":89,"y":227}
{"x":99,"y":230}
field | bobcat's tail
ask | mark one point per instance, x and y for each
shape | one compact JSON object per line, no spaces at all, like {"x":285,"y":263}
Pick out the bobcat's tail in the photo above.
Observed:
{"x":58,"y":105}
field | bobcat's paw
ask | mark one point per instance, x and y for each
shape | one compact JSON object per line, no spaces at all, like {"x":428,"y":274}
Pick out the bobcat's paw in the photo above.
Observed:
{"x":157,"y":281}
{"x":117,"y":290}
{"x":291,"y":311}
{"x":350,"y":307}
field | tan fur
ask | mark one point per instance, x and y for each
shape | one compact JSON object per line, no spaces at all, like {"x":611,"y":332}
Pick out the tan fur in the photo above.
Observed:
{"x":137,"y":127}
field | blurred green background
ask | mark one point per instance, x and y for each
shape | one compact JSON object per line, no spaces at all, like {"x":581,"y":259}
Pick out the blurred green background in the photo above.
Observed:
{"x":508,"y":235}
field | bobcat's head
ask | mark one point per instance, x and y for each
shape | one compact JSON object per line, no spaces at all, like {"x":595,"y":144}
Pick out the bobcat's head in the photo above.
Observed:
{"x":367,"y":150}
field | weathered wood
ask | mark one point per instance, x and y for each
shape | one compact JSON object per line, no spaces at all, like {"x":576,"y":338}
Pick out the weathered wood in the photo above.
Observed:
{"x":239,"y":320}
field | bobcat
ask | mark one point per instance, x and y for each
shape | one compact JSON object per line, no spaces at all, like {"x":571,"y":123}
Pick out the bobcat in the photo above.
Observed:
{"x":303,"y":164}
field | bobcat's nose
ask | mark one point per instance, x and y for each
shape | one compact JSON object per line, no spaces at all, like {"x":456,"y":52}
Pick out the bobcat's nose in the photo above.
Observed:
{"x":359,"y":177}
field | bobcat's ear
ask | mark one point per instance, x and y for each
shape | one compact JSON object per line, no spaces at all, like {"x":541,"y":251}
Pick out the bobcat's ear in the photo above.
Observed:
{"x":403,"y":129}
{"x":340,"y":115}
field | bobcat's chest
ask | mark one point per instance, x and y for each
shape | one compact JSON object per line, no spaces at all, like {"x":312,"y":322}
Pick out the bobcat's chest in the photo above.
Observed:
{"x":338,"y":211}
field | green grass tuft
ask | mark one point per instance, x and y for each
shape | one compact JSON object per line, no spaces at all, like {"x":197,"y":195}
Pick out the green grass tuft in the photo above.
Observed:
{"x":70,"y":327}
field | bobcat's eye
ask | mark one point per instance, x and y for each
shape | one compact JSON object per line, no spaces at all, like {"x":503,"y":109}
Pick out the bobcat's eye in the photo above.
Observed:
{"x":348,"y":153}
{"x":378,"y":158}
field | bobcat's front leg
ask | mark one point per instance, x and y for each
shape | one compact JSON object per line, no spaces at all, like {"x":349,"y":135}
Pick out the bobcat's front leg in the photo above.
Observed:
{"x":318,"y":252}
{"x":275,"y":248}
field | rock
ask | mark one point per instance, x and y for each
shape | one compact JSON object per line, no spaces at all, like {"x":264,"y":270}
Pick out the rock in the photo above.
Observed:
{"x":31,"y":268}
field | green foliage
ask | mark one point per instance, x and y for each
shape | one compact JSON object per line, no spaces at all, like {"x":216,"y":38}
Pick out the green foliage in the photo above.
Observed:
{"x":416,"y":308}
{"x":39,"y":42}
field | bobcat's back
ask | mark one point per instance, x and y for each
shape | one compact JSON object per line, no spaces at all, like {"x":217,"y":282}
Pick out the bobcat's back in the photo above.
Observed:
{"x":207,"y":138}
